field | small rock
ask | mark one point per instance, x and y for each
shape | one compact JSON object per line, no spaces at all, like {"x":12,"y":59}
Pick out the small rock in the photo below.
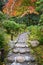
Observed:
{"x":15,"y":63}
{"x":27,"y":50}
{"x":18,"y":64}
{"x":15,"y":50}
{"x":21,"y":45}
{"x":18,"y":50}
{"x":34,"y":43}
{"x":32,"y":59}
{"x":20,"y":59}
{"x":26,"y":45}
{"x":27,"y":58}
{"x":28,"y":63}
{"x":11,"y":59}
{"x":22,"y":51}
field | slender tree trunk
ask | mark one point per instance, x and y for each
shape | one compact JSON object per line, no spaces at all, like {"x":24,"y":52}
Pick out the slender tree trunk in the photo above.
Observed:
{"x":2,"y":55}
{"x":11,"y":36}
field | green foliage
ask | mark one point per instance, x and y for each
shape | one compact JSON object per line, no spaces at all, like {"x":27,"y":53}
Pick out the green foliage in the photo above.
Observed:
{"x":2,"y":17}
{"x":33,"y":32}
{"x":41,"y":20}
{"x":38,"y":52}
{"x":40,"y":34}
{"x":10,"y":26}
{"x":41,"y":1}
{"x":29,"y":19}
{"x":2,"y":39}
{"x":2,"y":3}
{"x":36,"y":33}
{"x":39,"y":6}
{"x":25,"y":2}
{"x":13,"y":19}
{"x":3,"y":44}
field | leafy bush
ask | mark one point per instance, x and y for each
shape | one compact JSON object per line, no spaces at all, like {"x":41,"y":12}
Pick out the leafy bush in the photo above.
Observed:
{"x":36,"y":33}
{"x":3,"y":46}
{"x":10,"y":26}
{"x":2,"y":39}
{"x":2,"y":16}
{"x":29,"y":19}
{"x":39,"y":7}
{"x":33,"y":31}
{"x":40,"y":34}
{"x":41,"y":20}
{"x":38,"y":52}
{"x":3,"y":43}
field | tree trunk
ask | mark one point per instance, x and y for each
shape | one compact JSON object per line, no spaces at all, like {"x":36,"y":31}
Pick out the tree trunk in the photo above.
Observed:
{"x":11,"y":36}
{"x":2,"y":55}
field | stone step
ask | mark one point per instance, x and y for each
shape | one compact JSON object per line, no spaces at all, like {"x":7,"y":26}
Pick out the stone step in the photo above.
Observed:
{"x":21,"y":59}
{"x":21,"y":50}
{"x":25,"y":63}
{"x":16,"y":63}
{"x":23,"y":37}
{"x":21,"y":45}
{"x":18,"y":54}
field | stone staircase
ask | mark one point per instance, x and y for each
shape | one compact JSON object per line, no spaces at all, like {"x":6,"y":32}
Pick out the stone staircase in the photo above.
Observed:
{"x":20,"y":55}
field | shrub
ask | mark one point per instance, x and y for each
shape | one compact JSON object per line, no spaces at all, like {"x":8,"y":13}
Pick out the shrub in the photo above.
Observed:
{"x":33,"y":31}
{"x":2,"y":39}
{"x":11,"y":27}
{"x":36,"y":33}
{"x":40,"y":34}
{"x":41,"y":20}
{"x":3,"y":42}
{"x":3,"y":46}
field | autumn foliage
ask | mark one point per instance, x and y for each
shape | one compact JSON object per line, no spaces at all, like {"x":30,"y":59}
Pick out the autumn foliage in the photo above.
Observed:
{"x":33,"y":1}
{"x":11,"y":7}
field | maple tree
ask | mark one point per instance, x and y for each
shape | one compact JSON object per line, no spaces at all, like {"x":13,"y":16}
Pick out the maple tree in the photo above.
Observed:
{"x":11,"y":6}
{"x":18,"y":7}
{"x":14,"y":7}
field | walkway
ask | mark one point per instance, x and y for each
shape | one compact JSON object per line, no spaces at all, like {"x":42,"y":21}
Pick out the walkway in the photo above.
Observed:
{"x":21,"y":54}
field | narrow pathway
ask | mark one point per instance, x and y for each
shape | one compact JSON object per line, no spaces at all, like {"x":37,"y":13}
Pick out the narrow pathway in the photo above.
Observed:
{"x":21,"y":53}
